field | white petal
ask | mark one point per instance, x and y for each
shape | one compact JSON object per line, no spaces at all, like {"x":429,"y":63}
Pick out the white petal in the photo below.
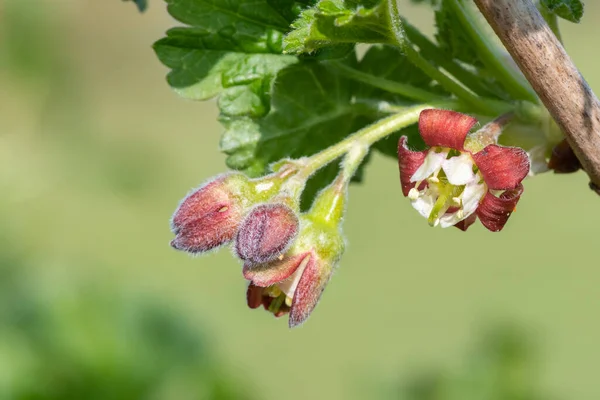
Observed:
{"x":448,"y":220}
{"x":288,"y":285}
{"x":471,"y":197}
{"x":459,"y":170}
{"x":537,"y":160}
{"x":432,"y":163}
{"x":424,"y":204}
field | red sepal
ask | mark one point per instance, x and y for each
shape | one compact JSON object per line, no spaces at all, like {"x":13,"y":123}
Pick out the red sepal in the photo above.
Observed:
{"x":502,"y":167}
{"x":254,"y":296}
{"x":268,"y":274}
{"x":408,"y":162}
{"x":314,"y":279}
{"x":467,"y":222}
{"x":493,"y":212}
{"x":445,"y":128}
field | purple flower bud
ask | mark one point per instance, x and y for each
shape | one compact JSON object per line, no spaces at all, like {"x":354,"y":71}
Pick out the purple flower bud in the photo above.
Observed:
{"x":266,"y":233}
{"x":209,"y":216}
{"x":563,"y":160}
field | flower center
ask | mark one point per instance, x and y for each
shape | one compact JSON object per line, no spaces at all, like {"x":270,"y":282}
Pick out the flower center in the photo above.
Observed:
{"x":448,"y":187}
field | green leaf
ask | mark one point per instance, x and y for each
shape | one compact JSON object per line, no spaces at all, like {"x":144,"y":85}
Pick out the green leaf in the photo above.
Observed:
{"x":141,"y":4}
{"x":571,"y":10}
{"x":336,"y":22}
{"x":290,"y":9}
{"x":232,"y":48}
{"x":311,"y":109}
{"x":452,"y":38}
{"x":466,"y":40}
{"x":388,"y":63}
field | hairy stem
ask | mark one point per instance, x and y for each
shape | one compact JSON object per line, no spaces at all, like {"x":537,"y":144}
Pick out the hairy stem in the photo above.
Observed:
{"x":366,"y":137}
{"x":554,"y":77}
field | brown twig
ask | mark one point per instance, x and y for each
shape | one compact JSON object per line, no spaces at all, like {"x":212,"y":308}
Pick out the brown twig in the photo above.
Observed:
{"x":552,"y":74}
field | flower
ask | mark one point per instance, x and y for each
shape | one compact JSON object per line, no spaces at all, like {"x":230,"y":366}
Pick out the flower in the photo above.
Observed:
{"x":458,"y":177}
{"x":266,"y":232}
{"x":293,"y":283}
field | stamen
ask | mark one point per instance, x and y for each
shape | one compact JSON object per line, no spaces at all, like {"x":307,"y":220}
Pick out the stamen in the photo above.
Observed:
{"x":413,"y":194}
{"x":273,"y":291}
{"x":288,"y":301}
{"x":433,"y":179}
{"x":276,"y":304}
{"x":223,"y":209}
{"x":457,"y":201}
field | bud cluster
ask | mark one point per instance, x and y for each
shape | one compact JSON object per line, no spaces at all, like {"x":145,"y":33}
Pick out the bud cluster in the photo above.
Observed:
{"x":288,"y":256}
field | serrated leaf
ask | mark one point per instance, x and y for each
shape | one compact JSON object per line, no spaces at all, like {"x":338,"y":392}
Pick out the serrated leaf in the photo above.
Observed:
{"x":571,"y":10}
{"x":233,"y":48}
{"x":335,"y":22}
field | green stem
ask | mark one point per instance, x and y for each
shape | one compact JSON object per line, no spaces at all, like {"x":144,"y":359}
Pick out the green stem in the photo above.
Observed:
{"x":551,"y":20}
{"x":403,"y":89}
{"x":418,"y":60}
{"x":434,"y":54}
{"x":483,"y":106}
{"x":367,"y":136}
{"x":354,"y":157}
{"x":492,"y":56}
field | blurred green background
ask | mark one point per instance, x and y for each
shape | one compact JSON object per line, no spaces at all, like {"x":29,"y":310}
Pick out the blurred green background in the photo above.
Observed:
{"x":95,"y":153}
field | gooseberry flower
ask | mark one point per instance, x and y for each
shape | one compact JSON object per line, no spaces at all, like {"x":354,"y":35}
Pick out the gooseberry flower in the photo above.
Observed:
{"x":295,"y":281}
{"x":458,"y":177}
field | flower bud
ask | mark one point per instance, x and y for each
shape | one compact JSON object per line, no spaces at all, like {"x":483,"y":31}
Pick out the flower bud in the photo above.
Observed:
{"x":266,"y":233}
{"x":209,"y":216}
{"x":563,"y":160}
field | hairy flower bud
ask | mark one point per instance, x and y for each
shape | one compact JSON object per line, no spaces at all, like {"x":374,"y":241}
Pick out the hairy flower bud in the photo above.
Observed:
{"x":209,"y":216}
{"x":266,"y":233}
